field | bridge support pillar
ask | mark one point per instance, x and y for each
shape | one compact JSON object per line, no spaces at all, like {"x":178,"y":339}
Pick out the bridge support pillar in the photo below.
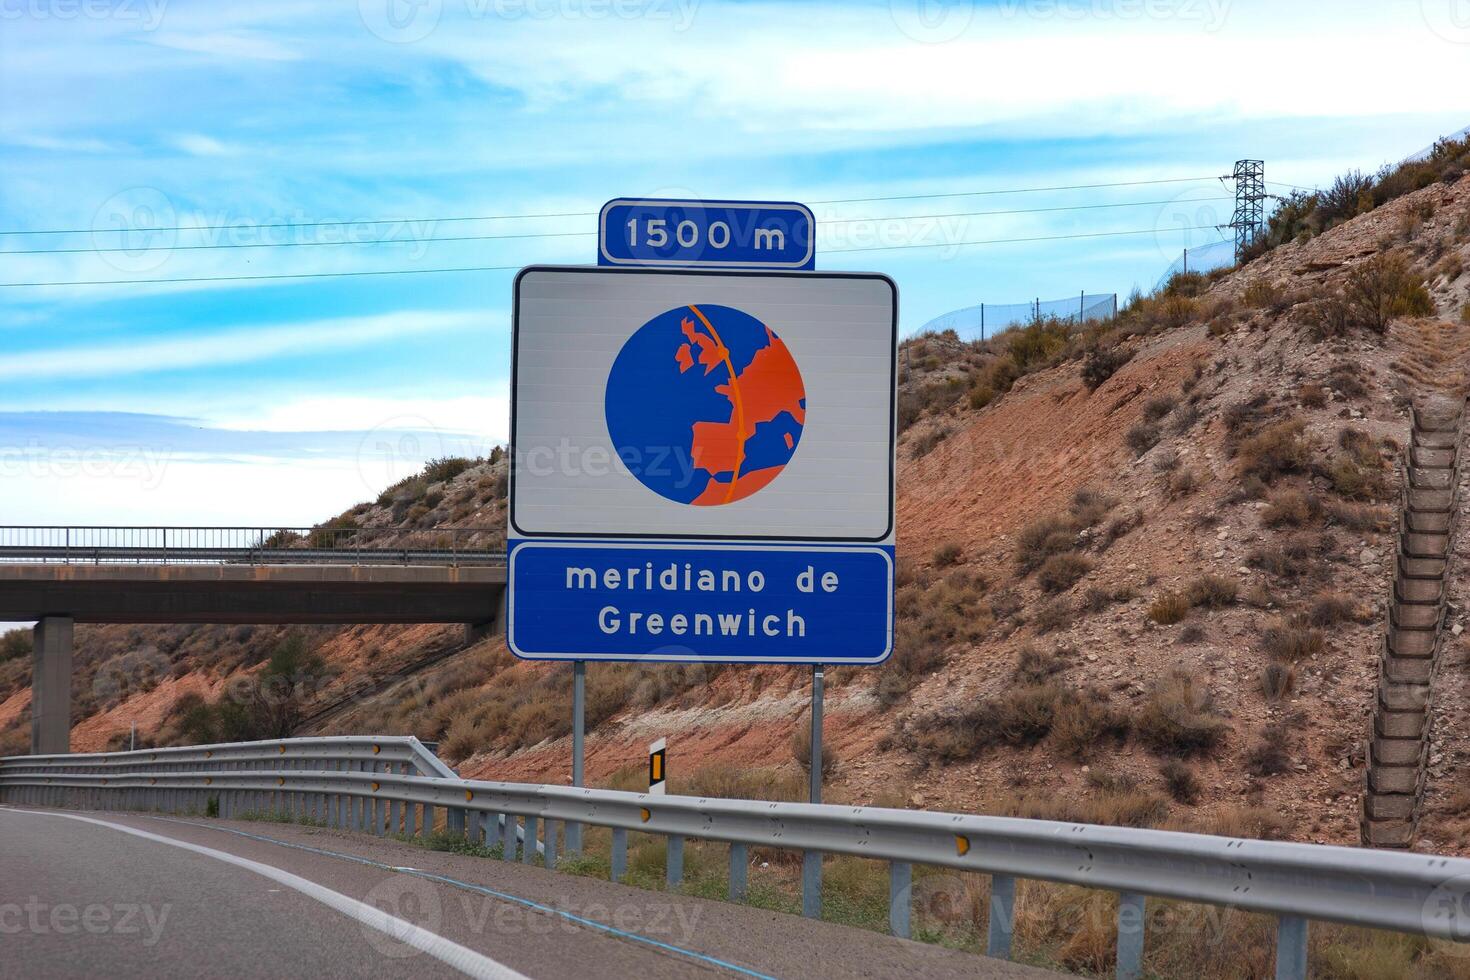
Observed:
{"x":51,"y":687}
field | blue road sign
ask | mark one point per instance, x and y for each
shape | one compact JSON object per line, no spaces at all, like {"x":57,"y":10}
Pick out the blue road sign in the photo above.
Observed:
{"x":691,"y":602}
{"x":702,"y":465}
{"x":654,"y":233}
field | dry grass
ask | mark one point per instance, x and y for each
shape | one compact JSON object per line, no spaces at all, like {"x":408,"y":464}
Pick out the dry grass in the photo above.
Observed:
{"x":1212,"y":592}
{"x":1054,"y":614}
{"x":1060,"y":572}
{"x":1042,"y":539}
{"x":1179,"y":718}
{"x":1291,"y":639}
{"x":948,"y":554}
{"x":1276,"y":450}
{"x":1290,"y":507}
{"x":1181,"y":782}
{"x":1277,"y":681}
{"x":1312,"y":395}
{"x":1142,"y":437}
{"x":1168,"y":608}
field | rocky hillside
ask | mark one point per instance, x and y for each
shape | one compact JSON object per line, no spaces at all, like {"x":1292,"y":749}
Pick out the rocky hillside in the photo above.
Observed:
{"x":1144,"y":572}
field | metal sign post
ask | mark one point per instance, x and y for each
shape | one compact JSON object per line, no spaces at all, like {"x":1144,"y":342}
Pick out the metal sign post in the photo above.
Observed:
{"x":579,"y":723}
{"x":816,"y":754}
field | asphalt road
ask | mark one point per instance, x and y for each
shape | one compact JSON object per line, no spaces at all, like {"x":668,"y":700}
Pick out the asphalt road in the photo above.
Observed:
{"x":86,"y":894}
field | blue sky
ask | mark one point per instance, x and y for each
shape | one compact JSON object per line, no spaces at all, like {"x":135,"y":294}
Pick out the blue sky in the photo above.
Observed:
{"x":285,"y":401}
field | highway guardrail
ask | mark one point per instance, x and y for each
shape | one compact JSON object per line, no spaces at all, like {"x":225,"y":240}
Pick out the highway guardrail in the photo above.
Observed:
{"x":394,"y":785}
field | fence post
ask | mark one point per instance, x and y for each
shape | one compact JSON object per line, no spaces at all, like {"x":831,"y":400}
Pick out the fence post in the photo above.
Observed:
{"x":982,"y":323}
{"x":1081,"y":306}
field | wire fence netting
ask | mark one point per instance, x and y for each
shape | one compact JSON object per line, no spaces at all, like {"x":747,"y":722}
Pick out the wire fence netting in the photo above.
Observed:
{"x":988,"y":319}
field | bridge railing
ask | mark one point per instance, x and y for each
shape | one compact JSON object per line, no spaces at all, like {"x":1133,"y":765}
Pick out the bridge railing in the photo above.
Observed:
{"x":371,"y":785}
{"x":251,"y":545}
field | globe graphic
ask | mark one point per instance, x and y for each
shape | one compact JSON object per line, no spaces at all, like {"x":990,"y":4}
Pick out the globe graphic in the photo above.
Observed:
{"x":705,"y":405}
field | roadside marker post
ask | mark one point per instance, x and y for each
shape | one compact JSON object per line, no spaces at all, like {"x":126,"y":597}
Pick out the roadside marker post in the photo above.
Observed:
{"x":658,"y":772}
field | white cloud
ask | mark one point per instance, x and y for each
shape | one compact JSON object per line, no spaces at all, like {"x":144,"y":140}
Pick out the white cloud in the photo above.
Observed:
{"x":201,"y":146}
{"x":229,"y":45}
{"x":235,"y":346}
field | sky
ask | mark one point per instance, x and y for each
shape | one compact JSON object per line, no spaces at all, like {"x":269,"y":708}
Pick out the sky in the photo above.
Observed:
{"x":148,"y":140}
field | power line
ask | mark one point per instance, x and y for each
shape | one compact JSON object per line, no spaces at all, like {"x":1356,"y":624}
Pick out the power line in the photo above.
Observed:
{"x":505,"y":268}
{"x":559,"y":234}
{"x":590,"y":214}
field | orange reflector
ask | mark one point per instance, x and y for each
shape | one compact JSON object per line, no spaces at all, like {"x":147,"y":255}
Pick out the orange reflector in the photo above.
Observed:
{"x":375,"y":787}
{"x":377,"y":749}
{"x":282,"y":748}
{"x":208,"y":781}
{"x":152,"y":782}
{"x":209,"y":754}
{"x":468,"y":796}
{"x":645,"y":813}
{"x":280,"y":780}
{"x":961,"y":845}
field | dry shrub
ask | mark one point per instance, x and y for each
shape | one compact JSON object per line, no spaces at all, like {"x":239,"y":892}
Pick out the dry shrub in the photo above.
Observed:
{"x":1096,"y":599}
{"x":1260,"y":293}
{"x":1274,"y":451}
{"x":1179,"y":718}
{"x":1183,"y":482}
{"x":1347,"y":378}
{"x":1042,"y":539}
{"x":1290,"y":559}
{"x":1291,"y":508}
{"x":1185,"y":419}
{"x":1156,"y":408}
{"x":1312,"y":395}
{"x":1357,"y":516}
{"x":1060,"y":572}
{"x":801,"y":750}
{"x":1100,"y":364}
{"x":1168,"y":608}
{"x":1291,"y":639}
{"x":1268,"y":756}
{"x":1034,"y":666}
{"x":1019,"y":716}
{"x":929,"y":621}
{"x":1351,"y":480}
{"x":1054,"y":614}
{"x":1084,"y":721}
{"x":1180,"y":780}
{"x":1331,"y":608}
{"x":1166,"y":461}
{"x":1374,"y":294}
{"x":1277,"y":680}
{"x":1089,"y":507}
{"x":947,"y":554}
{"x":1212,"y":591}
{"x":1142,"y":437}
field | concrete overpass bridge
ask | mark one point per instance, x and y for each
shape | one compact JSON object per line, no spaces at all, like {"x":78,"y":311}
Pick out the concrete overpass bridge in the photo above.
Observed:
{"x":60,"y":576}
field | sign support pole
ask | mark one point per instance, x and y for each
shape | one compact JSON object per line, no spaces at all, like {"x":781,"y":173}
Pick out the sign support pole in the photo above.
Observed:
{"x":579,"y":720}
{"x":816,"y":780}
{"x":811,"y":861}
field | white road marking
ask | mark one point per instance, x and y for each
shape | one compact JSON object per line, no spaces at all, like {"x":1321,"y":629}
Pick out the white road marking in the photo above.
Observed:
{"x":462,"y":958}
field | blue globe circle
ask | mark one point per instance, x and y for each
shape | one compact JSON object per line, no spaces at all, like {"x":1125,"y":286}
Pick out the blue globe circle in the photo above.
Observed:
{"x":705,"y":405}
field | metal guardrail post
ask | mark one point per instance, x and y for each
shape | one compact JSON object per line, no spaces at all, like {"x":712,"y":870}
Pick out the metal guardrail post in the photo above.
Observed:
{"x":1002,"y":916}
{"x":509,"y":852}
{"x":1132,"y":916}
{"x":528,"y":845}
{"x":900,"y":897}
{"x":739,"y":869}
{"x":674,"y":870}
{"x":548,"y":855}
{"x":811,"y":884}
{"x":1291,"y":948}
{"x":619,"y":857}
